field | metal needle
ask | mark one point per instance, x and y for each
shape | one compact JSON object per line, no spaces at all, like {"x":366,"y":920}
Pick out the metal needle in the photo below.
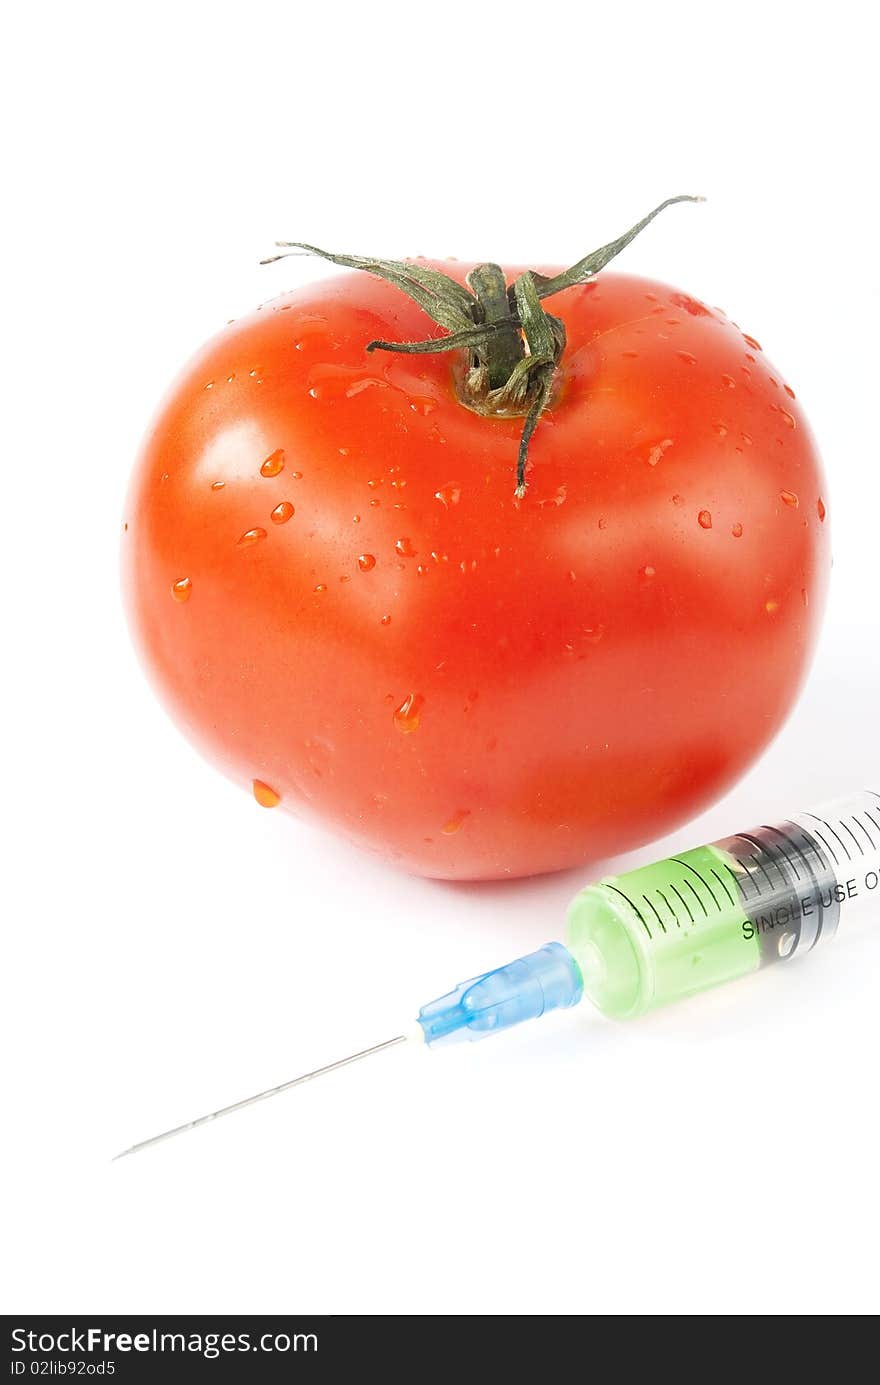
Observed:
{"x":262,"y":1096}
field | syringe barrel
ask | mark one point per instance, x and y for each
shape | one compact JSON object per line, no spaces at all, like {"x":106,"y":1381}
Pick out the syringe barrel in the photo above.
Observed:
{"x":676,"y":927}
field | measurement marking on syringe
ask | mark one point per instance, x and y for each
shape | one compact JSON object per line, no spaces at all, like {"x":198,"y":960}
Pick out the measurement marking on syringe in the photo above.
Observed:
{"x":847,"y":828}
{"x":701,"y":880}
{"x":696,"y":896}
{"x":809,"y":847}
{"x":759,"y":863}
{"x":838,"y":839}
{"x":799,"y":848}
{"x":765,"y":851}
{"x":740,"y":878}
{"x":826,"y":845}
{"x":670,"y":908}
{"x":785,"y":853}
{"x":685,"y":903}
{"x":772,"y":854}
{"x":862,"y":828}
{"x":723,"y":886}
{"x":634,"y":908}
{"x":791,"y":842}
{"x":654,"y":911}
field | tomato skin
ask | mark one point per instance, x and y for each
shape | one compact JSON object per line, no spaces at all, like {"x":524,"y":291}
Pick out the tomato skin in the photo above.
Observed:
{"x":473,"y":685}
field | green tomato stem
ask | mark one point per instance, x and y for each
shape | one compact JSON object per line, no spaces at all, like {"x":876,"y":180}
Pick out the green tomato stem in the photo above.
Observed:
{"x":512,"y":346}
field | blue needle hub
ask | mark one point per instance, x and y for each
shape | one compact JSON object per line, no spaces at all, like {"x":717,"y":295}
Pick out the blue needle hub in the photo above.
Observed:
{"x":548,"y":979}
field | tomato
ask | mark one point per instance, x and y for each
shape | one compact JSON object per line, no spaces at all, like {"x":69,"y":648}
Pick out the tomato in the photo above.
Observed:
{"x":345,"y":605}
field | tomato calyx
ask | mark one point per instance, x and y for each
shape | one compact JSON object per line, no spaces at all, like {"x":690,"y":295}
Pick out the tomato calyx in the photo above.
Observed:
{"x":510,"y":346}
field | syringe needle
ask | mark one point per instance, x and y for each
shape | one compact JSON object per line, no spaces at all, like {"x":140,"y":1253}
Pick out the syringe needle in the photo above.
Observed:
{"x":262,"y":1096}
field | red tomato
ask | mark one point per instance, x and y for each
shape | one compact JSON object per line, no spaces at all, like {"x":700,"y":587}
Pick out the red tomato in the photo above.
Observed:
{"x":346,"y":608}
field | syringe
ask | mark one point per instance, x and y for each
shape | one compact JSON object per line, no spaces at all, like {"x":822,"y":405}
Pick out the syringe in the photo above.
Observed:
{"x":666,"y":931}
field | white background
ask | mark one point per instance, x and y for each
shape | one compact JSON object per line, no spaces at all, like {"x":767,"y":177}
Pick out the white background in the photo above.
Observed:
{"x":167,"y":945}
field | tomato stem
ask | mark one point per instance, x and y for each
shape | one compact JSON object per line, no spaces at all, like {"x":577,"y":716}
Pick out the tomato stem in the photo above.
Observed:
{"x":512,"y":347}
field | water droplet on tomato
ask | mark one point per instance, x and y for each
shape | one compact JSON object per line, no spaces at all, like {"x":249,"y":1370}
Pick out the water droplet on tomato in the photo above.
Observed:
{"x":321,"y":587}
{"x":182,"y":589}
{"x":647,"y":573}
{"x":656,"y":453}
{"x":789,"y":391}
{"x":750,"y":341}
{"x":448,"y":496}
{"x":790,"y":499}
{"x":558,"y":499}
{"x":385,"y":620}
{"x":274,"y":463}
{"x":820,"y":508}
{"x":678,"y":500}
{"x":265,"y":796}
{"x":720,"y":429}
{"x":690,"y":305}
{"x":788,"y":419}
{"x":408,"y":716}
{"x":729,"y":381}
{"x":368,"y":382}
{"x":455,"y":823}
{"x":704,"y":519}
{"x":217,"y":485}
{"x":366,"y":561}
{"x":251,"y":536}
{"x":687,"y":356}
{"x":404,"y":548}
{"x":771,"y":606}
{"x":296,"y":475}
{"x":209,"y":385}
{"x":282,"y":513}
{"x":737,"y":530}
